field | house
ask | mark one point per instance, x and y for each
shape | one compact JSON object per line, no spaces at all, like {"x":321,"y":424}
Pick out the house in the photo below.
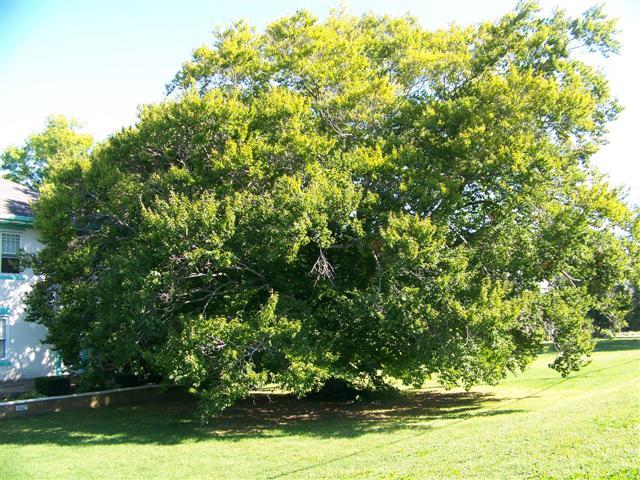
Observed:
{"x":22,"y":353}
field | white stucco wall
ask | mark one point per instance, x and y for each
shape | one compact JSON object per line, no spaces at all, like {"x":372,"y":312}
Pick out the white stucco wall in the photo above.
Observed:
{"x":26,"y":356}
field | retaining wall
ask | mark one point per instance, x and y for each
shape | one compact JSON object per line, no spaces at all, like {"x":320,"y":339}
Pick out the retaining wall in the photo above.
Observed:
{"x":117,"y":396}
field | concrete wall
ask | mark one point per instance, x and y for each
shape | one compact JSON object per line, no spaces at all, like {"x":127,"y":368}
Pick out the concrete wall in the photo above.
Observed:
{"x":26,"y":356}
{"x":118,"y":396}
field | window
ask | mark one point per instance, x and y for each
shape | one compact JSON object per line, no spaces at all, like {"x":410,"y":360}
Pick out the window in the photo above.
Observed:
{"x":3,"y":337}
{"x":9,"y":253}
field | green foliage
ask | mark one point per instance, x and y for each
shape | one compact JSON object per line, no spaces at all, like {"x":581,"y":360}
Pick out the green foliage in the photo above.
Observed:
{"x":52,"y":386}
{"x":356,"y":198}
{"x":633,"y":316}
{"x":60,"y":141}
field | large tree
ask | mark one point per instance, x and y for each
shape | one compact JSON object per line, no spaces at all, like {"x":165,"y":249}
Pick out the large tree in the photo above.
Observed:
{"x":355,"y":198}
{"x":61,"y":139}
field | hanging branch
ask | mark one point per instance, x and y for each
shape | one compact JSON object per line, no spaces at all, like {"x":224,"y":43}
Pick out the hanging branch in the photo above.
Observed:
{"x":322,"y":268}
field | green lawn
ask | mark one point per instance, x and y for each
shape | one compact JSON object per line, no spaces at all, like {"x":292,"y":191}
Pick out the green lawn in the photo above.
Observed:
{"x":536,"y":425}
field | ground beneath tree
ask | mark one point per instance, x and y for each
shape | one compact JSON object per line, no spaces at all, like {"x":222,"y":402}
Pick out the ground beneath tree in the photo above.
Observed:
{"x":537,"y":425}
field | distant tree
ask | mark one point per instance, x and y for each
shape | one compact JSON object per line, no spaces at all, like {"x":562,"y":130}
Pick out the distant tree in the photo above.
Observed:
{"x":355,"y":198}
{"x":633,"y":317}
{"x":61,"y":139}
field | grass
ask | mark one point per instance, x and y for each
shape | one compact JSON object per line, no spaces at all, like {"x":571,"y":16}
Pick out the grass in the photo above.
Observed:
{"x":536,"y":425}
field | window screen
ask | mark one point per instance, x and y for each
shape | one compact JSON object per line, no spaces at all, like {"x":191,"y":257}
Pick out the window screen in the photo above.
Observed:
{"x":9,"y":253}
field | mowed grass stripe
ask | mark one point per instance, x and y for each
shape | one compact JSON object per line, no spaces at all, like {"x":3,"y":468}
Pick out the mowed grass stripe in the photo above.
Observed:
{"x":509,"y":433}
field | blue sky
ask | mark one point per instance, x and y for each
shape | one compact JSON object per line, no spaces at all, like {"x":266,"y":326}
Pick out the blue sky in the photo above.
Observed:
{"x":97,"y":60}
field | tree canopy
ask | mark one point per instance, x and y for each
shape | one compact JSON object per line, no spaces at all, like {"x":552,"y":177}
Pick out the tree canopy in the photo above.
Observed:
{"x":356,"y":198}
{"x":60,"y":140}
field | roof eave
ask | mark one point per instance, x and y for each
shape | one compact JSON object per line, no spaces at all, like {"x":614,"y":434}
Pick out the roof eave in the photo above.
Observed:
{"x":17,"y":220}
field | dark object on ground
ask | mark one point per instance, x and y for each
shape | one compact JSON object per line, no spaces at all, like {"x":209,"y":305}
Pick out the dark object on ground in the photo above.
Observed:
{"x":335,"y":390}
{"x":154,"y":378}
{"x":52,"y":386}
{"x":126,"y":379}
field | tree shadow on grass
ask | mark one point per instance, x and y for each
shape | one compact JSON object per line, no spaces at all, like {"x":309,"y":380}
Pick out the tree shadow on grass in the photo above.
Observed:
{"x":262,"y":416}
{"x":173,"y":422}
{"x":618,"y":344}
{"x":605,"y":345}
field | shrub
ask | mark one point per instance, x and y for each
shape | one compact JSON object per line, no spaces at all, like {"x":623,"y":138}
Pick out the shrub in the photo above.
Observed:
{"x":52,"y":386}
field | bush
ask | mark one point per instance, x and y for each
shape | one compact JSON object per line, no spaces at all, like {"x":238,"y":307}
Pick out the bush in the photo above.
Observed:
{"x":52,"y":386}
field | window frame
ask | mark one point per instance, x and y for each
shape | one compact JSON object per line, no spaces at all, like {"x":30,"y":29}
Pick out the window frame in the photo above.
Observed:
{"x":3,"y":351}
{"x":20,"y":247}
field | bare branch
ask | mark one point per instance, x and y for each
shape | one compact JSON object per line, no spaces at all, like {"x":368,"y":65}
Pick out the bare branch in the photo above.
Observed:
{"x":322,"y":268}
